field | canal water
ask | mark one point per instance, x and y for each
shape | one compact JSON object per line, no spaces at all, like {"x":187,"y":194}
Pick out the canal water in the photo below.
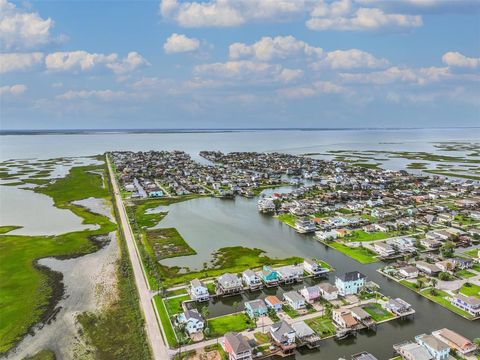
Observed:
{"x":208,"y":224}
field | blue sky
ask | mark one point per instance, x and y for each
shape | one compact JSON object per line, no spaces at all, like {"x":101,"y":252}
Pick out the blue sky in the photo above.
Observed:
{"x":239,"y":63}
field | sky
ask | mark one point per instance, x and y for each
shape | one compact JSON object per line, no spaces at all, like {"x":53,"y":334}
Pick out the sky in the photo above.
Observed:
{"x":175,"y":64}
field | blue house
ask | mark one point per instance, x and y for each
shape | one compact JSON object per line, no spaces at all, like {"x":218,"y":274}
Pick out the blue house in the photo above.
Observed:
{"x":437,"y":348}
{"x":256,"y":308}
{"x":350,"y":283}
{"x":269,"y":276}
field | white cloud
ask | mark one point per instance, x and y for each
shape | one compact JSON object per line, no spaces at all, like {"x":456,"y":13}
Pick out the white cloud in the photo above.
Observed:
{"x":288,"y":75}
{"x":350,"y":59}
{"x":133,"y":61}
{"x":456,"y":59}
{"x":19,"y":61}
{"x":394,"y":74}
{"x":179,"y":43}
{"x":344,"y":16}
{"x":17,"y":89}
{"x":22,"y":30}
{"x":105,"y":95}
{"x":82,"y":60}
{"x":318,"y":87}
{"x":225,"y":13}
{"x":268,"y":48}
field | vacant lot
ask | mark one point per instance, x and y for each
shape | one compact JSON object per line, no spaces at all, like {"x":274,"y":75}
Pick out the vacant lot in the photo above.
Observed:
{"x":167,"y":243}
{"x":223,"y":324}
{"x":322,"y":325}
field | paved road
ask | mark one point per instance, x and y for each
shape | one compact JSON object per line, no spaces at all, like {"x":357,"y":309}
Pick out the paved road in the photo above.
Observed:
{"x":159,"y":350}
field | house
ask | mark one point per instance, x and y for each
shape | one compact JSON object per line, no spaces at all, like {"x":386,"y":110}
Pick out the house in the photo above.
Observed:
{"x":310,"y":293}
{"x":290,"y":273}
{"x":273,"y":302}
{"x":269,"y":276}
{"x":410,"y":350}
{"x":305,"y":225}
{"x":256,"y":308}
{"x":193,"y":321}
{"x":445,"y":265}
{"x":198,"y":291}
{"x":408,"y":272}
{"x":456,"y":341}
{"x":398,"y":306}
{"x":342,"y":232}
{"x":343,"y":319}
{"x":229,"y":284}
{"x":381,"y":227}
{"x":384,"y":249}
{"x":470,"y":304}
{"x":294,"y":300}
{"x":283,"y":335}
{"x":437,"y":348}
{"x":328,"y":291}
{"x":236,"y":346}
{"x":305,"y":334}
{"x":363,"y":356}
{"x":252,"y":280}
{"x":430,"y":244}
{"x":360,"y":315}
{"x":429,"y":269}
{"x":462,"y":263}
{"x":326,"y":235}
{"x":350,"y":283}
{"x":313,"y":267}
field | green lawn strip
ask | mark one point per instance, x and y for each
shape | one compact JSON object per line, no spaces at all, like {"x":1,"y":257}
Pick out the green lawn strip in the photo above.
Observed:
{"x":470,"y":290}
{"x":261,"y":338}
{"x":180,"y":291}
{"x":7,"y":229}
{"x":360,"y":254}
{"x":446,"y":173}
{"x":288,"y":219}
{"x":324,"y":265}
{"x":174,"y":305}
{"x":165,"y":320}
{"x":463,"y":273}
{"x":472,"y":253}
{"x":377,"y":312}
{"x":42,"y":355}
{"x":465,"y":220}
{"x":322,"y":325}
{"x":235,"y":322}
{"x":441,"y":298}
{"x":361,"y":235}
{"x":26,"y":290}
{"x":167,"y":243}
{"x":290,"y":311}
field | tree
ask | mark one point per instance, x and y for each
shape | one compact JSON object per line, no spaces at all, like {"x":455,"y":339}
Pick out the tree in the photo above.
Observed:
{"x":476,"y":341}
{"x":447,"y":249}
{"x":419,"y":284}
{"x":434,"y":283}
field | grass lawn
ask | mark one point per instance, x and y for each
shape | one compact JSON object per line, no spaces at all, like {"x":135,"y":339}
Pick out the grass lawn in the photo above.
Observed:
{"x":180,"y":291}
{"x":166,"y":323}
{"x":377,"y":312}
{"x":288,"y":219}
{"x":234,"y":322}
{"x":174,"y":305}
{"x":442,"y":299}
{"x":472,"y":253}
{"x":261,"y":338}
{"x":361,"y":254}
{"x":361,"y":235}
{"x":470,"y":290}
{"x":290,"y":311}
{"x":167,"y":243}
{"x":463,"y":273}
{"x":322,"y":325}
{"x":27,"y":291}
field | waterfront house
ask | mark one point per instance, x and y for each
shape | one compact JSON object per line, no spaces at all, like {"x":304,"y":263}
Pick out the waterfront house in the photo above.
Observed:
{"x":326,"y":235}
{"x":429,"y":269}
{"x":470,"y":304}
{"x":456,"y":341}
{"x":363,"y":356}
{"x":198,"y":291}
{"x":410,"y":350}
{"x":273,"y":302}
{"x":283,"y":335}
{"x":305,"y":334}
{"x":328,"y":291}
{"x":252,"y":280}
{"x":408,"y":272}
{"x":398,"y":307}
{"x":342,"y":232}
{"x":294,"y":300}
{"x":228,"y":284}
{"x":383,"y":249}
{"x":361,"y":315}
{"x":350,"y":283}
{"x":256,"y":308}
{"x":310,"y":293}
{"x":305,"y":225}
{"x":290,"y":273}
{"x":343,"y":319}
{"x":269,"y":276}
{"x":463,"y":263}
{"x":236,"y":346}
{"x":193,"y":321}
{"x":312,"y":267}
{"x":437,"y":348}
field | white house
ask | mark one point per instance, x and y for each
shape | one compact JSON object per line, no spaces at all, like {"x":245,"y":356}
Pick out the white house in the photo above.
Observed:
{"x":289,"y":273}
{"x":383,"y":249}
{"x":343,"y":318}
{"x":198,"y":291}
{"x":312,"y":267}
{"x":251,"y":279}
{"x":326,"y":235}
{"x":408,"y":272}
{"x":294,"y":299}
{"x":328,"y":291}
{"x":193,"y":321}
{"x":350,"y":283}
